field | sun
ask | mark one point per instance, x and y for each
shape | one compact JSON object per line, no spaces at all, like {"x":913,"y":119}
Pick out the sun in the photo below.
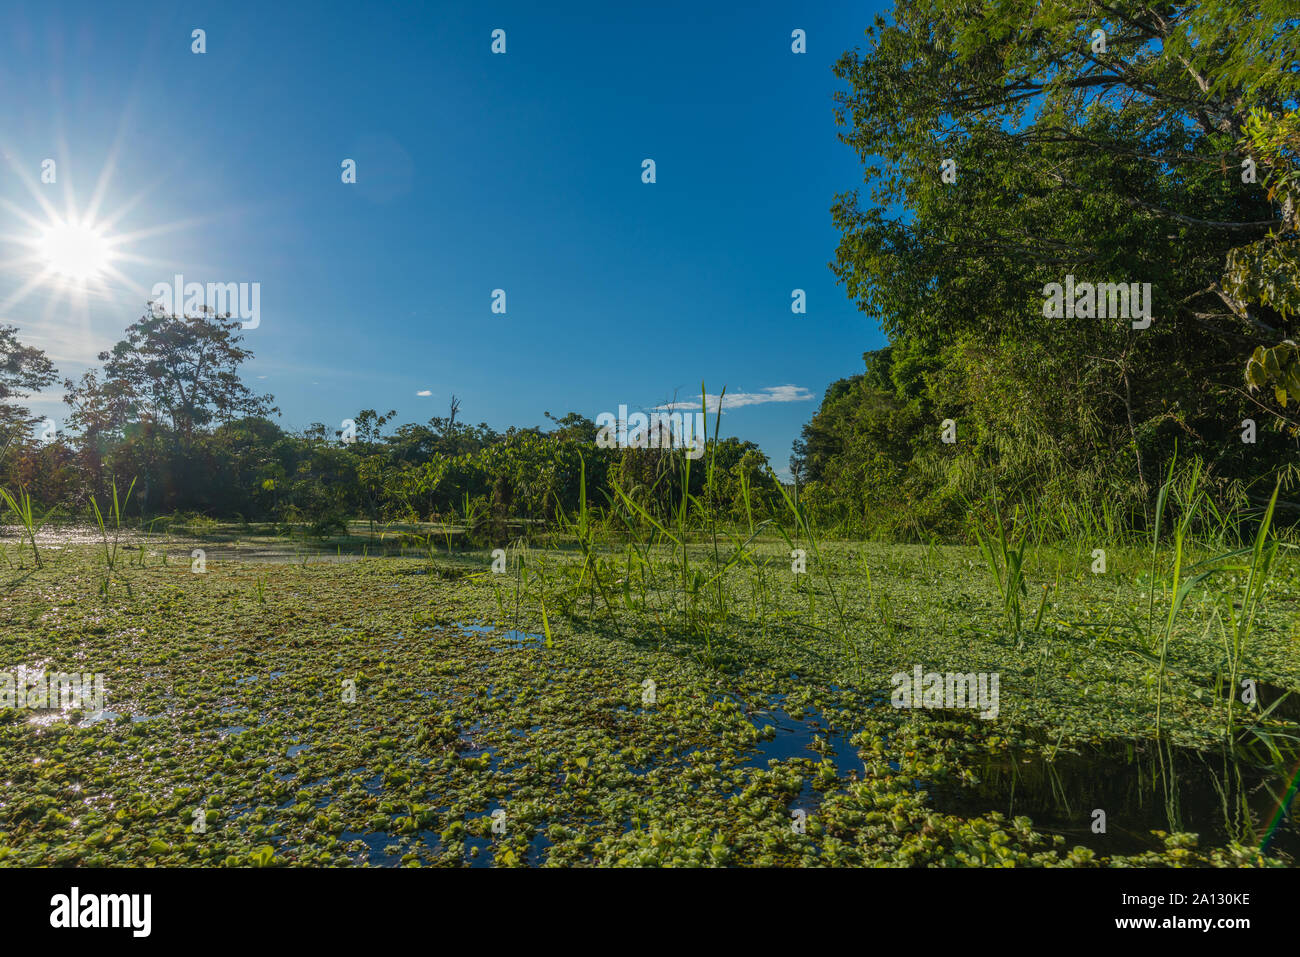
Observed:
{"x":79,"y":251}
{"x":72,"y":253}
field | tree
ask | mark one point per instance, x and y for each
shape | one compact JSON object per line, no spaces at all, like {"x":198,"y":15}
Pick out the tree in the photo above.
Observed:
{"x":370,"y":426}
{"x":163,"y":389}
{"x":574,"y":427}
{"x":23,"y":370}
{"x":1111,"y":157}
{"x":1265,"y":273}
{"x":185,"y":370}
{"x":1122,"y":162}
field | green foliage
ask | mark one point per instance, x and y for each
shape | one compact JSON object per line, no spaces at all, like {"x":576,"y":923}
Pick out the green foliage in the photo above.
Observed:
{"x":1278,"y":366}
{"x":24,"y":509}
{"x":110,"y":549}
{"x":23,"y":369}
{"x":1117,"y":166}
{"x":1006,"y":563}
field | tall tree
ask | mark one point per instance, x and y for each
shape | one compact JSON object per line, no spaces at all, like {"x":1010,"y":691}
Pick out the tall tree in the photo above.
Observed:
{"x":23,"y":370}
{"x":184,"y":370}
{"x":1126,"y":160}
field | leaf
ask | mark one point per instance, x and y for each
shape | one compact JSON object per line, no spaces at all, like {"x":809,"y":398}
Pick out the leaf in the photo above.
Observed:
{"x":546,"y":625}
{"x":262,"y":856}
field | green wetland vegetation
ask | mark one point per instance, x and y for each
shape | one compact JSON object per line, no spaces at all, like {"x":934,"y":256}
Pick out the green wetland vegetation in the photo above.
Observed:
{"x":629,"y":691}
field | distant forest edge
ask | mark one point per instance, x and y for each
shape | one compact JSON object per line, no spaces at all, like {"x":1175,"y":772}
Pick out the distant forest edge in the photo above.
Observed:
{"x":1011,"y":151}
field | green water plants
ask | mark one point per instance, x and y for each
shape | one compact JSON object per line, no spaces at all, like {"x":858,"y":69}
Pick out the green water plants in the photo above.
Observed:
{"x":110,"y":551}
{"x":1005,"y":561}
{"x":24,"y":509}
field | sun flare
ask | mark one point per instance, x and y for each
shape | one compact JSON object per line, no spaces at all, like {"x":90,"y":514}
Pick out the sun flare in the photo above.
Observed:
{"x":76,"y":251}
{"x":70,"y":253}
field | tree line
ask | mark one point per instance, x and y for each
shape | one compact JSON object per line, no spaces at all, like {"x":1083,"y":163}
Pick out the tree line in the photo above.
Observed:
{"x":168,"y":411}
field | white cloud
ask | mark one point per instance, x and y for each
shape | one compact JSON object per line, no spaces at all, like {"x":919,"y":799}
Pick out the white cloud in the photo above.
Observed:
{"x":734,"y":400}
{"x":424,"y":392}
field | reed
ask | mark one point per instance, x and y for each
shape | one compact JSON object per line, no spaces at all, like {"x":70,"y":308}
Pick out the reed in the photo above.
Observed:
{"x":110,"y":550}
{"x":24,"y":509}
{"x":1240,"y":610}
{"x":1006,"y":566}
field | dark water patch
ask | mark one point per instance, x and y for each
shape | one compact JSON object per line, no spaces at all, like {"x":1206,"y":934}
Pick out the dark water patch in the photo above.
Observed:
{"x":1284,"y":702}
{"x":432,"y":840}
{"x":522,"y":639}
{"x":377,"y":843}
{"x":785,"y":738}
{"x":249,"y":679}
{"x":513,"y":637}
{"x":538,"y":848}
{"x":809,"y":737}
{"x":478,"y":851}
{"x":1141,"y":787}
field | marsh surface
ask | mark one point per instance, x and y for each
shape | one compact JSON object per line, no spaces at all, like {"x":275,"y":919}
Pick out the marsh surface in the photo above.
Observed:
{"x":422,"y":710}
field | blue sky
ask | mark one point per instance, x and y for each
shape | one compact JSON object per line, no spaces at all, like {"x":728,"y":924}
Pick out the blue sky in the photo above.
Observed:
{"x":475,"y":172}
